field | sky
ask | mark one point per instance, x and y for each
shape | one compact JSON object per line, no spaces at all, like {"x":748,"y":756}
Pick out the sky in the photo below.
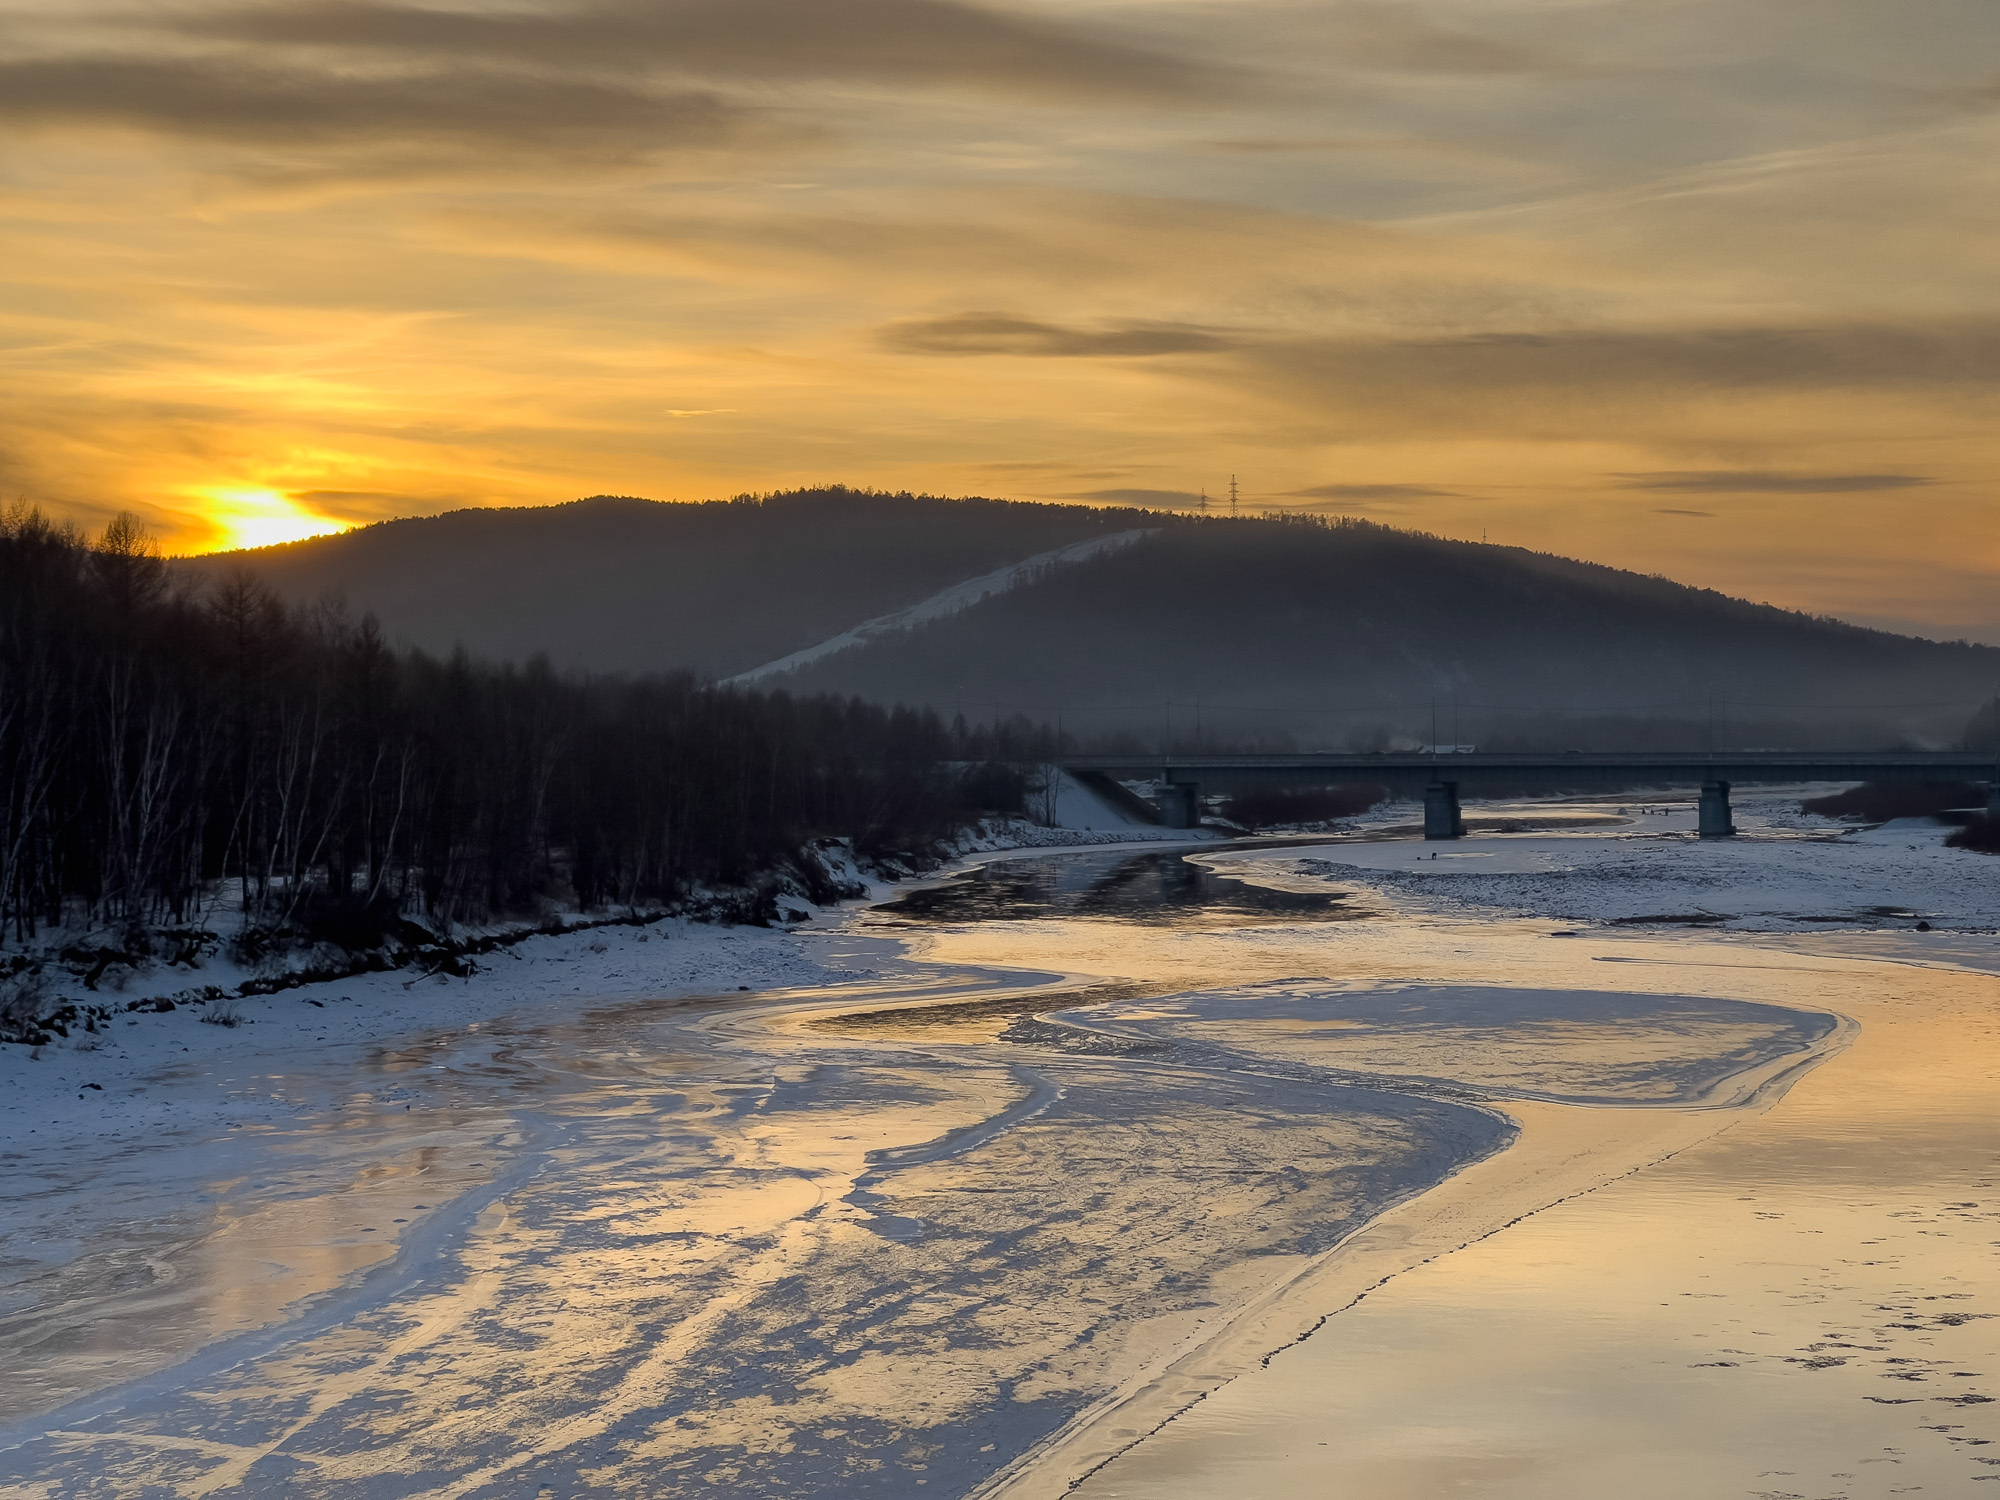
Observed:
{"x":1699,"y":287}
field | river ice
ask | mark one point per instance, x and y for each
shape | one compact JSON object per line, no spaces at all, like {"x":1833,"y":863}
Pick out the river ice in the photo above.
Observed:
{"x":950,"y":1184}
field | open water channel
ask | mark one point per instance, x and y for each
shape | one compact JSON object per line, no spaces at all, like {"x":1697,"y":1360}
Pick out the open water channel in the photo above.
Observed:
{"x":1130,"y":1173}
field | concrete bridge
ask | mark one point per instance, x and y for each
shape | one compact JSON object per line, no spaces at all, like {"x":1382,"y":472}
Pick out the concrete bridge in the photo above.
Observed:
{"x":1442,"y":779}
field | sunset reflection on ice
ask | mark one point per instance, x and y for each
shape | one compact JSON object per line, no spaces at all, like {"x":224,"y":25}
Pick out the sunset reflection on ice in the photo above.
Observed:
{"x":980,"y":1225}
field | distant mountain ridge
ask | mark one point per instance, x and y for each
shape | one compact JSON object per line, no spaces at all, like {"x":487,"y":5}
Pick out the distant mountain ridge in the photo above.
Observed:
{"x":1344,"y":634}
{"x":1353,"y":635}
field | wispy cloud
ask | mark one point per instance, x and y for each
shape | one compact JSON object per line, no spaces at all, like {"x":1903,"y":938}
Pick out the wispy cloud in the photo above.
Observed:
{"x":1369,"y":492}
{"x":1626,"y":361}
{"x":911,"y":43}
{"x":1006,"y":333}
{"x":267,"y":104}
{"x":614,"y":80}
{"x":1400,"y":38}
{"x":1758,"y":482}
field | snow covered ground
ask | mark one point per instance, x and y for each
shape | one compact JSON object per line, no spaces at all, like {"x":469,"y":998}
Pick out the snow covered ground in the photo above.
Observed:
{"x":147,"y":1073}
{"x":663,"y":1210}
{"x":596,"y":1236}
{"x":1638,"y":862}
{"x":143,"y":1071}
{"x":1784,"y":872}
{"x":164,"y":1010}
{"x":946,"y":602}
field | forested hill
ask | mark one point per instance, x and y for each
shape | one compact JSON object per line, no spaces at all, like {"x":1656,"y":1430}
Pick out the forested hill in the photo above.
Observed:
{"x":622,"y":585}
{"x":1345,"y":633}
{"x":1340,"y":635}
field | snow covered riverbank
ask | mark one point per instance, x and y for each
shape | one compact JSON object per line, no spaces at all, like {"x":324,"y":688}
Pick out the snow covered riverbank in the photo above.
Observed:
{"x":149,"y":1071}
{"x":115,"y":1020}
{"x":1638,"y":863}
{"x":963,"y":1192}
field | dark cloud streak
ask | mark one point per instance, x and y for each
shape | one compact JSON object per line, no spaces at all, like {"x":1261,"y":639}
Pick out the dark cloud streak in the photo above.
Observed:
{"x":1764,"y":482}
{"x":227,"y":100}
{"x":1593,"y":381}
{"x":1565,"y":381}
{"x":902,"y":42}
{"x":1005,"y":333}
{"x":616,"y":79}
{"x":1854,"y":356}
{"x":1370,"y":492}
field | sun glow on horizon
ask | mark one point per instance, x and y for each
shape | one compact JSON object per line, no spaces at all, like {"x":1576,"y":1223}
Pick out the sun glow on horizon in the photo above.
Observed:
{"x":255,"y":517}
{"x":1418,"y":263}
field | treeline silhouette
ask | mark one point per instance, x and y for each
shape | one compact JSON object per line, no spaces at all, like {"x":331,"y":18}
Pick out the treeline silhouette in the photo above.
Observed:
{"x":166,"y":746}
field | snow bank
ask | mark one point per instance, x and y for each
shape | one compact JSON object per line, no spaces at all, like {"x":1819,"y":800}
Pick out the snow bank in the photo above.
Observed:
{"x":1783,"y":871}
{"x":148,"y":1071}
{"x":996,"y":834}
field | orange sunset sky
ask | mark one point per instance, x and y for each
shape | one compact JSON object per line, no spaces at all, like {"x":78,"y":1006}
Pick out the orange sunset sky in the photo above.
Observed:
{"x":1700,"y":287}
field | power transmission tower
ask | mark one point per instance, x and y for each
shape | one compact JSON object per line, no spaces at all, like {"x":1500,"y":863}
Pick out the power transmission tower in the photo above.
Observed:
{"x":1232,"y":494}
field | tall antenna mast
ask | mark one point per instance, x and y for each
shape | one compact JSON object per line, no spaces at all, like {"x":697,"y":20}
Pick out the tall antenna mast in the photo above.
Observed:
{"x":1232,"y":494}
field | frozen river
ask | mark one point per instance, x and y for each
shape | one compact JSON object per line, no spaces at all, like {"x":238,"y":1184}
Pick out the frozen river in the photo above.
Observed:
{"x":1565,"y":1210}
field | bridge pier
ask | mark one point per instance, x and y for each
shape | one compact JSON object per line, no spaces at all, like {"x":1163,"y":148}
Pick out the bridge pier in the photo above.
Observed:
{"x":1714,"y":820}
{"x":1441,"y":815}
{"x":1405,"y":775}
{"x":1180,"y":804}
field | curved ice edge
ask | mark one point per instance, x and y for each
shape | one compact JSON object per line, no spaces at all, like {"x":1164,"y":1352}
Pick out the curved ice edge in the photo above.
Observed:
{"x":1780,"y":1075}
{"x":1042,"y":1092}
{"x":1767,"y":1091}
{"x":421,"y":1247}
{"x":419,"y":1250}
{"x":1721,"y":1090}
{"x":423,"y":1244}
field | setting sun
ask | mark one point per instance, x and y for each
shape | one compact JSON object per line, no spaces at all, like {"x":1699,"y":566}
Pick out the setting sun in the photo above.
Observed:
{"x":258,"y":518}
